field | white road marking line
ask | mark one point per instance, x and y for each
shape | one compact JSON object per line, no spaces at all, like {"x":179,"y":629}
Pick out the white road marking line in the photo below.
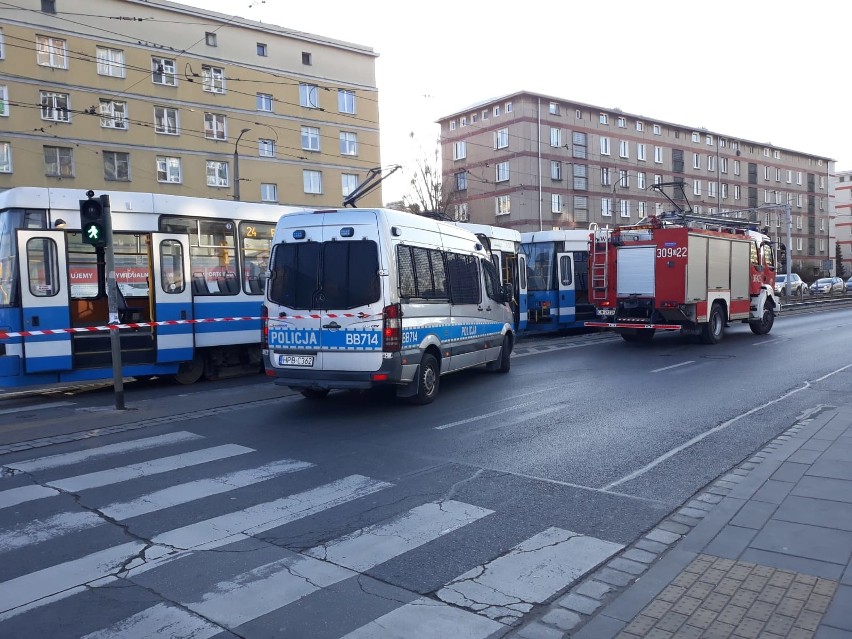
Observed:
{"x":484,"y":416}
{"x":667,"y":368}
{"x":674,"y":451}
{"x":41,"y":530}
{"x":26,"y":409}
{"x":427,"y":619}
{"x":533,"y":571}
{"x":15,"y":496}
{"x":66,"y":459}
{"x":376,"y":544}
{"x":161,"y":620}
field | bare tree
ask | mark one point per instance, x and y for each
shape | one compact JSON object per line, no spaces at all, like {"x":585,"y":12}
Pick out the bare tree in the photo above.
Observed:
{"x":429,"y":192}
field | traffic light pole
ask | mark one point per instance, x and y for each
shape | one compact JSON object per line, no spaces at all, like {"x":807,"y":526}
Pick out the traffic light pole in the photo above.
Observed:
{"x":112,"y":300}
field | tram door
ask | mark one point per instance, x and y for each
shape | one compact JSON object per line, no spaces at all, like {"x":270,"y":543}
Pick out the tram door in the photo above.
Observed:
{"x":44,"y":300}
{"x":172,"y":296}
{"x":521,"y":293}
{"x":567,"y":308}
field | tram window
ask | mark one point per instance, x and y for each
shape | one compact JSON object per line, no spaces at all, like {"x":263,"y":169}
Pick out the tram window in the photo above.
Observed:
{"x":172,"y":277}
{"x":42,"y":267}
{"x":565,"y":271}
{"x":255,"y":245}
{"x":212,"y":252}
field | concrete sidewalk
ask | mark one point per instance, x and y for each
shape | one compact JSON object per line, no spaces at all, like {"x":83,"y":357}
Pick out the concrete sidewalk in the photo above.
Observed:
{"x":762,"y":552}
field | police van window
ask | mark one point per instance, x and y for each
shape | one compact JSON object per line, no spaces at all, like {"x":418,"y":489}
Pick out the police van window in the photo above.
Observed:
{"x":492,"y":280}
{"x":464,"y":279}
{"x":565,"y":272}
{"x":350,"y":275}
{"x":421,"y":273}
{"x":294,"y":274}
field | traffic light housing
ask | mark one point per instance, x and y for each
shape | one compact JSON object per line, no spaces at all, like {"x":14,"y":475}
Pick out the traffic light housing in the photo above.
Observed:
{"x":94,"y":221}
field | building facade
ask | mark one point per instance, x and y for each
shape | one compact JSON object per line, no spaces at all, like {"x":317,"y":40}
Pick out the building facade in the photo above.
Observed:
{"x":842,"y":191}
{"x":153,"y":96}
{"x":534,"y":162}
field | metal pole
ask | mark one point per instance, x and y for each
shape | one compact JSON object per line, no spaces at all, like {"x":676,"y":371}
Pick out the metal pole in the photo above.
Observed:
{"x":540,"y":195}
{"x":788,"y":214}
{"x":237,"y":165}
{"x":112,"y":301}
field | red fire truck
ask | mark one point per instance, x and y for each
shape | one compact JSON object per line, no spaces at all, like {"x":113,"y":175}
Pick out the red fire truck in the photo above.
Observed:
{"x":682,"y":272}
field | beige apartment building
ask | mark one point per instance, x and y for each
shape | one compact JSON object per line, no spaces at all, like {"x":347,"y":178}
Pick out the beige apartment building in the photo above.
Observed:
{"x":154,"y":96}
{"x":842,"y":190}
{"x":534,"y":162}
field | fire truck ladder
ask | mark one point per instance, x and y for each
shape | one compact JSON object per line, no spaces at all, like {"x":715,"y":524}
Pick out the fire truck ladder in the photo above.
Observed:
{"x":599,"y":261}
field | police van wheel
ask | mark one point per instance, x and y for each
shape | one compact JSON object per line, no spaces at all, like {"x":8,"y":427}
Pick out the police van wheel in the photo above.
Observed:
{"x":314,"y":393}
{"x":505,"y":355}
{"x":428,"y":380}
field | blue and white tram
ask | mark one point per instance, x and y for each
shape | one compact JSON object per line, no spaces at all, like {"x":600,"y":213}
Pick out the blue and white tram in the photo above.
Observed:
{"x":557,"y":269}
{"x":176,"y":258}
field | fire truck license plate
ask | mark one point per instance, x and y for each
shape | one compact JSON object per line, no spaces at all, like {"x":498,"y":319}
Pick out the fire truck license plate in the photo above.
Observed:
{"x":295,"y":360}
{"x":606,"y":311}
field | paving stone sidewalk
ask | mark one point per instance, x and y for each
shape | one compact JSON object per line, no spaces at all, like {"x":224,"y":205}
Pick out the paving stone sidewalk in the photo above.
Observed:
{"x":763,"y":552}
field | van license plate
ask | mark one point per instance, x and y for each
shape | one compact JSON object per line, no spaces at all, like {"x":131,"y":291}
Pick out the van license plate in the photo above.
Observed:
{"x":295,"y":360}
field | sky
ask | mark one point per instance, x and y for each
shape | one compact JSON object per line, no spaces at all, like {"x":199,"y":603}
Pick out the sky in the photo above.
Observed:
{"x":764,"y":71}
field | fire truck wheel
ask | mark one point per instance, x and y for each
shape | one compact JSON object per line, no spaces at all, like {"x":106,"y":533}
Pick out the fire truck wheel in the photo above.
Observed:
{"x":712,"y":331}
{"x":764,"y":324}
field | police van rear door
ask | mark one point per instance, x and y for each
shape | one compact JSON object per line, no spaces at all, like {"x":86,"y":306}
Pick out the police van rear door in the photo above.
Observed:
{"x":350,"y":296}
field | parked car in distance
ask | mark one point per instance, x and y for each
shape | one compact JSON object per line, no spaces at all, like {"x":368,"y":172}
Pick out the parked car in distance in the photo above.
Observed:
{"x":797,"y":285}
{"x":849,"y":285}
{"x":828,"y":286}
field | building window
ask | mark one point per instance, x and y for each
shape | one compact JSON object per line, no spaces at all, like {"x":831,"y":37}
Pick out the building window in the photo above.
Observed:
{"x":736,"y":167}
{"x":460,"y":212}
{"x":604,"y":146}
{"x":658,"y":154}
{"x":503,"y":205}
{"x":641,"y":209}
{"x":799,"y":200}
{"x":553,"y":108}
{"x":711,"y":188}
{"x":696,"y":137}
{"x":789,"y":176}
{"x":767,"y":171}
{"x":555,"y":137}
{"x":798,"y":178}
{"x":623,"y":149}
{"x":51,"y":52}
{"x":55,"y":106}
{"x":461,"y":181}
{"x":640,"y":126}
{"x":168,"y":170}
{"x":459,"y":150}
{"x":737,"y":191}
{"x":724,"y":191}
{"x":658,"y":179}
{"x":348,"y":183}
{"x":640,"y":180}
{"x":116,"y":166}
{"x":501,"y":172}
{"x":581,"y":208}
{"x":312,"y":181}
{"x":310,"y":138}
{"x":268,"y":192}
{"x":58,"y":161}
{"x":624,"y":179}
{"x":308,"y":97}
{"x":723,"y":165}
{"x":606,"y":207}
{"x":214,"y":126}
{"x":799,"y":244}
{"x":110,"y":62}
{"x":264,"y":102}
{"x":777,"y":175}
{"x":217,"y":173}
{"x":463,"y":121}
{"x":210,"y":39}
{"x":5,"y":157}
{"x":606,"y":180}
{"x":163,"y":71}
{"x":166,"y":120}
{"x":578,"y":114}
{"x":711,"y":162}
{"x":348,"y":143}
{"x":346,"y":101}
{"x":501,"y":138}
{"x":641,"y":152}
{"x":497,"y":111}
{"x":696,"y":187}
{"x":622,"y":122}
{"x":4,"y":100}
{"x":579,"y":141}
{"x":624,"y":208}
{"x":452,"y":125}
{"x":485,"y":114}
{"x":696,"y":161}
{"x":556,"y":170}
{"x":266,"y":148}
{"x":657,"y":130}
{"x":709,"y":140}
{"x":604,"y":118}
{"x":213,"y":79}
{"x":307,"y":59}
{"x":261,"y":50}
{"x":555,"y":203}
{"x":2,"y":46}
{"x":581,"y":177}
{"x":508,"y":107}
{"x":113,"y":114}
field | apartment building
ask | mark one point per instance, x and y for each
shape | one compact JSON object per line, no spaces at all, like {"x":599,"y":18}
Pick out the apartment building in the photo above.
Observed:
{"x":154,"y":96}
{"x":842,"y":191}
{"x":535,"y":162}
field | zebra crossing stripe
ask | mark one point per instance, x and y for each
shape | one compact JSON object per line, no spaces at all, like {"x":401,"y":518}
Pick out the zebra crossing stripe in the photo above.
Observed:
{"x":67,"y":459}
{"x":376,"y":544}
{"x":57,"y":582}
{"x":41,"y":530}
{"x":427,"y":619}
{"x":161,"y":620}
{"x":15,"y":496}
{"x":507,"y":588}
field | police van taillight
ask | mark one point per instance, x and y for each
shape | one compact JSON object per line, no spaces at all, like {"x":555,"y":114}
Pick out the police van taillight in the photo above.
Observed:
{"x":392,"y":328}
{"x":264,"y":327}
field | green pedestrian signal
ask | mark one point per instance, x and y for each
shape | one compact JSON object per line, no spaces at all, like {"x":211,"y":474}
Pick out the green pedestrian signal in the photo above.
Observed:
{"x":94,"y":220}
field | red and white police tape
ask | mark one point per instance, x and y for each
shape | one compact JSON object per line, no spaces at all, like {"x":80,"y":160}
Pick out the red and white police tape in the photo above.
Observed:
{"x":89,"y":329}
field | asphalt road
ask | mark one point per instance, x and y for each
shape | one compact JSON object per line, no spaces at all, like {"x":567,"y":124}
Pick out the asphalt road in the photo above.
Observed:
{"x":237,"y":508}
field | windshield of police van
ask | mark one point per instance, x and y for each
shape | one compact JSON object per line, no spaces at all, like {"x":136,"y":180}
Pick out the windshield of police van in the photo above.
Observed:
{"x":325,"y":275}
{"x":540,"y":265}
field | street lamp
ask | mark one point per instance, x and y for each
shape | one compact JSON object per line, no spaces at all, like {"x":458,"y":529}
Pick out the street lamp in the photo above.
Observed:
{"x":237,"y":165}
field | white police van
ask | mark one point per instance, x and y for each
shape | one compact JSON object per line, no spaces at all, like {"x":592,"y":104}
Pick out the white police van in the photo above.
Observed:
{"x":358,"y":298}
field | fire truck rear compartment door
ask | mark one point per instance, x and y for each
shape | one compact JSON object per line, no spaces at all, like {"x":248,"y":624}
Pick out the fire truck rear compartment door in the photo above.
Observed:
{"x":696,"y":269}
{"x":636,"y":271}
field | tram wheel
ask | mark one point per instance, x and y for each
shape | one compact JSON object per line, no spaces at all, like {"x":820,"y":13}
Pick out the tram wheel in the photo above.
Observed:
{"x":190,"y":372}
